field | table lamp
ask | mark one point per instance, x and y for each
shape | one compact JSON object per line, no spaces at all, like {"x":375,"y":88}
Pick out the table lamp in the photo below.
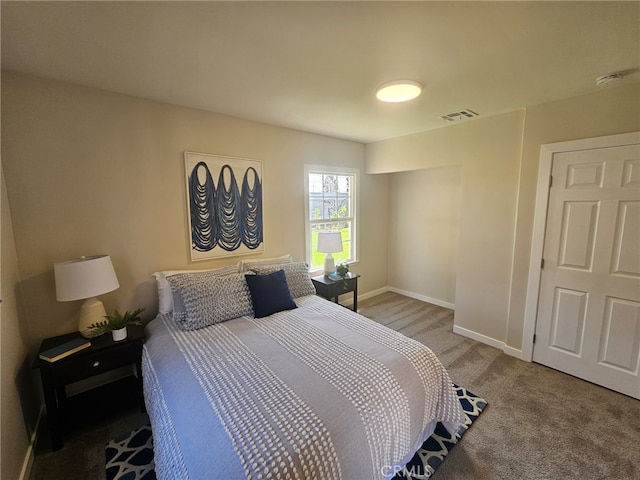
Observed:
{"x":85,"y":278}
{"x":329,"y":242}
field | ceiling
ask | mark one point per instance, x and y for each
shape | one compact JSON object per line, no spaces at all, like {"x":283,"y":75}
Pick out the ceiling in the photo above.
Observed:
{"x":315,"y":66}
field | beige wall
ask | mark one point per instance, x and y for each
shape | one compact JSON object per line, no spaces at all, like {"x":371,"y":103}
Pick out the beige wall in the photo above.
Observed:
{"x":89,"y":172}
{"x":488,"y":151}
{"x":499,"y":158}
{"x":93,"y":172}
{"x":19,"y":411}
{"x":607,"y":112}
{"x":423,"y":233}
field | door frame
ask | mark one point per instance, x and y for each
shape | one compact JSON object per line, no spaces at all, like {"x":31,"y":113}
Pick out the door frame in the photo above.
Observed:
{"x":547,"y":151}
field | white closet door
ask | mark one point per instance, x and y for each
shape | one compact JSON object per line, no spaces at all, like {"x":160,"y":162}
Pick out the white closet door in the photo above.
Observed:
{"x":588,"y":322}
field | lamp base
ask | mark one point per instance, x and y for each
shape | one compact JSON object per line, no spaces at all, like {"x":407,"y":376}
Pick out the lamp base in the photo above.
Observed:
{"x":329,"y":264}
{"x":92,"y":311}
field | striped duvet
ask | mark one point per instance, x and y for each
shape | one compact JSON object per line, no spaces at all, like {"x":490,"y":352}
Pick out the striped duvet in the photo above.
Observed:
{"x":318,"y":392}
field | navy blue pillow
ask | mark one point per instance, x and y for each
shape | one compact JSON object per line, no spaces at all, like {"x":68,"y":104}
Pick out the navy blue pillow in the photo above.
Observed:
{"x":269,"y":293}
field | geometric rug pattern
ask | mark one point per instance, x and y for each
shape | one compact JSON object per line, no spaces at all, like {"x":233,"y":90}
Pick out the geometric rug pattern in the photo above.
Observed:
{"x":131,"y":458}
{"x":435,"y":448}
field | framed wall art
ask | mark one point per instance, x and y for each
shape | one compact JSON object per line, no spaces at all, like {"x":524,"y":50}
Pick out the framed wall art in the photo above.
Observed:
{"x":224,"y":205}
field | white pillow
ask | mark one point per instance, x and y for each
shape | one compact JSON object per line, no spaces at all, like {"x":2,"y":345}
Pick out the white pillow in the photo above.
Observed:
{"x":246,"y":265}
{"x":165,"y":296}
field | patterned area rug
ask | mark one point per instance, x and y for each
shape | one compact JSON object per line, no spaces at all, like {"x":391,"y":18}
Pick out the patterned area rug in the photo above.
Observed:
{"x":435,"y":448}
{"x":131,"y":458}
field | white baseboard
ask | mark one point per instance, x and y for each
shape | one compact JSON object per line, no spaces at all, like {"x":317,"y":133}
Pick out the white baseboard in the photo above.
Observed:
{"x":492,"y":342}
{"x":514,"y":352}
{"x":30,"y":454}
{"x":364,"y":296}
{"x":423,"y":298}
{"x":372,"y":293}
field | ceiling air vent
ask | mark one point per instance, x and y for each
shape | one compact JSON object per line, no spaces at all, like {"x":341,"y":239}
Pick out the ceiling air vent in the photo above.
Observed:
{"x":461,"y":115}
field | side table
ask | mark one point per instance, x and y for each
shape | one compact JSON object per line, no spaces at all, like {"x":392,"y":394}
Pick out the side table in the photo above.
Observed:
{"x":102,"y":356}
{"x":331,"y":289}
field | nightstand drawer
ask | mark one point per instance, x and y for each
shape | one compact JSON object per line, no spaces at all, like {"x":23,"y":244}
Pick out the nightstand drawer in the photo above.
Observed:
{"x":338,"y":287}
{"x":78,"y":368}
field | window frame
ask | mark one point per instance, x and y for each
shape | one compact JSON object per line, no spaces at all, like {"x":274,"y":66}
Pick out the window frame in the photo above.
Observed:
{"x":355,"y":204}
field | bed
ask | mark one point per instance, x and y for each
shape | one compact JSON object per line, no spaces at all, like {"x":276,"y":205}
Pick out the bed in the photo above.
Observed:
{"x":241,"y":383}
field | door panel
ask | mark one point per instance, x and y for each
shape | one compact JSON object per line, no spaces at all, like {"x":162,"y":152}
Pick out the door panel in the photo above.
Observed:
{"x":567,"y":328}
{"x":617,"y":347}
{"x":588,"y":320}
{"x":579,"y":221}
{"x":626,"y":254}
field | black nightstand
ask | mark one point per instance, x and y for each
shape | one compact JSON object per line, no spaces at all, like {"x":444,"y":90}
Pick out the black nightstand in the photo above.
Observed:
{"x":330,"y":289}
{"x":102,"y":356}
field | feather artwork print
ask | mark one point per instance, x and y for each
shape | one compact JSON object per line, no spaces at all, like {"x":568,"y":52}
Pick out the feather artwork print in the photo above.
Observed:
{"x":251,"y":209}
{"x":228,"y":211}
{"x":225,"y":218}
{"x":204,"y":235}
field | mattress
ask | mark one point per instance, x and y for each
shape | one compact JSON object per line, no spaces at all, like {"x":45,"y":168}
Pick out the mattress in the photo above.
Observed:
{"x":318,"y":392}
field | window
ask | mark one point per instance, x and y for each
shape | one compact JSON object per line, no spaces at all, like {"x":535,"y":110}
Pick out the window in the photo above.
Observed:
{"x":331,"y":205}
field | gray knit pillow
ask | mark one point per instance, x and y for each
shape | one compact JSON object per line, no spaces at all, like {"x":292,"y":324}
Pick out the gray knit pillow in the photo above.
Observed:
{"x":209,"y":299}
{"x":297,"y":275}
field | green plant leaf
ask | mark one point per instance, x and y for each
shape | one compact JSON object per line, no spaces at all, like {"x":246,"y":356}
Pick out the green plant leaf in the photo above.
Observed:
{"x":116,"y":321}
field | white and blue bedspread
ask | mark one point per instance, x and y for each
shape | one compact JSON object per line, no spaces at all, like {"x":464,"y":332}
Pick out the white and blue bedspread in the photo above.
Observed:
{"x":318,"y":392}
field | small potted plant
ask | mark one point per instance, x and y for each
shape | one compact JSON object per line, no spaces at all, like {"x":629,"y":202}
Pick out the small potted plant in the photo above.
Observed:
{"x":116,"y":324}
{"x":342,"y":270}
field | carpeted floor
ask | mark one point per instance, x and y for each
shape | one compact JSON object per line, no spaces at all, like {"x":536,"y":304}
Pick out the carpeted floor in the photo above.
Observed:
{"x":88,"y":430}
{"x":540,"y":424}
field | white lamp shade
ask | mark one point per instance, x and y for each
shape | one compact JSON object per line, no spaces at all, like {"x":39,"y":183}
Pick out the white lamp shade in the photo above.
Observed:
{"x":84,"y":277}
{"x":329,"y":242}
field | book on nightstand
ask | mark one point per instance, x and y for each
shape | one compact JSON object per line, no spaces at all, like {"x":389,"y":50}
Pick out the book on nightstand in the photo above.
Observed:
{"x":65,"y":349}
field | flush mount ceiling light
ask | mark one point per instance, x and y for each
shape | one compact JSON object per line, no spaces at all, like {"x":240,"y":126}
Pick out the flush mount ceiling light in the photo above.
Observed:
{"x":399,"y":91}
{"x":605,"y":80}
